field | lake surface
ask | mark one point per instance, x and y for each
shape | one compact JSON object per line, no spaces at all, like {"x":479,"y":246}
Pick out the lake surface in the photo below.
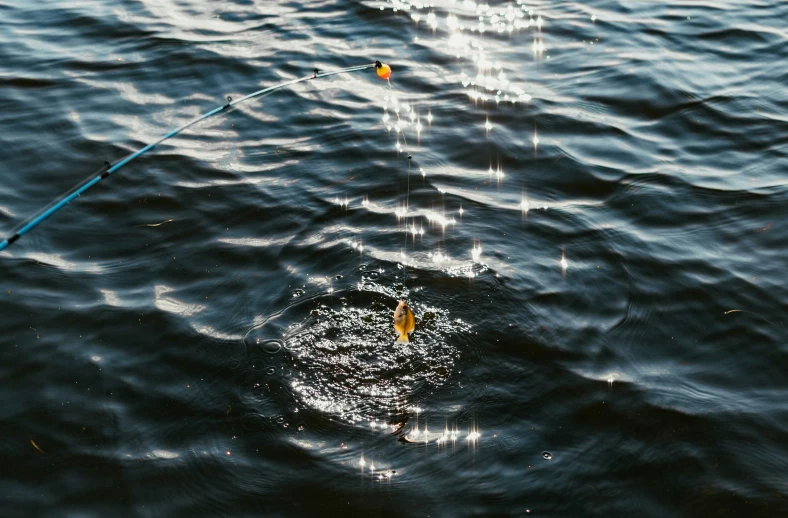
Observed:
{"x":591,"y":230}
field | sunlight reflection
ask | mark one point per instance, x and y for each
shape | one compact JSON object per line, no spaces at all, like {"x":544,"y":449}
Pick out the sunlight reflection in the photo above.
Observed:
{"x":172,"y":305}
{"x":443,"y":221}
{"x":438,"y":257}
{"x":474,"y":434}
{"x":476,"y":252}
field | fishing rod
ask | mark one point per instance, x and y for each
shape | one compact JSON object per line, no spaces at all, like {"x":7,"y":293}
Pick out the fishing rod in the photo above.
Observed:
{"x":383,"y":71}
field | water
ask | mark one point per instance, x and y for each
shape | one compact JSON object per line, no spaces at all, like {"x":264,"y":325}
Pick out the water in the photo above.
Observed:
{"x":595,"y":255}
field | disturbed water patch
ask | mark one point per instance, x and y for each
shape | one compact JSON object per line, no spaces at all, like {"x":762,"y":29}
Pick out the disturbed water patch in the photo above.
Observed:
{"x":344,"y":359}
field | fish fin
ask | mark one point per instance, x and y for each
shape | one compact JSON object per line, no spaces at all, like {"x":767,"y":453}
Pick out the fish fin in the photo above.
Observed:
{"x":403,"y":339}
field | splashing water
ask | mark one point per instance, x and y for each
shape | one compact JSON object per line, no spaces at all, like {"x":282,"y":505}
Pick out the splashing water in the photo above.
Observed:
{"x":345,"y":361}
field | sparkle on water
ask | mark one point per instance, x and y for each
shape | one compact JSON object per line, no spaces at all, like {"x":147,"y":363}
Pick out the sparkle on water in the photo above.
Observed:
{"x":440,"y":219}
{"x":442,"y":438}
{"x":476,"y":252}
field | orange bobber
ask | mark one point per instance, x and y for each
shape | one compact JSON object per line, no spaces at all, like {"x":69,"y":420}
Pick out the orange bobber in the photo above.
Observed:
{"x":383,"y":70}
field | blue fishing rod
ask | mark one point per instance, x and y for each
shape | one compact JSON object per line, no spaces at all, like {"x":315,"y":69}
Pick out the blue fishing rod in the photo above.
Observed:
{"x":383,"y":72}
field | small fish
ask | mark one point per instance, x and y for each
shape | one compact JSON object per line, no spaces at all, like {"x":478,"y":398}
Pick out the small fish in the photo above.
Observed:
{"x":404,"y":321}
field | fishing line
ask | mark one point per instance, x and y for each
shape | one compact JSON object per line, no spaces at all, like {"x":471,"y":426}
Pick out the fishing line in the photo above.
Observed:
{"x":407,"y":198}
{"x":384,"y":71}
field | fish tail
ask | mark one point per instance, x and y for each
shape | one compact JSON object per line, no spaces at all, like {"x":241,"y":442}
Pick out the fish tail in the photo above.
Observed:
{"x":403,"y":338}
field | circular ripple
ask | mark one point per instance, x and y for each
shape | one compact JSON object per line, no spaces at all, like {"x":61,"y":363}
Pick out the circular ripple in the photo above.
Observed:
{"x":345,"y":360}
{"x":253,"y":422}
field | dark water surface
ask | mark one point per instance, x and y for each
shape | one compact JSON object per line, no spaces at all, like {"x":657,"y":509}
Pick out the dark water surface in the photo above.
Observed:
{"x":208,"y":331}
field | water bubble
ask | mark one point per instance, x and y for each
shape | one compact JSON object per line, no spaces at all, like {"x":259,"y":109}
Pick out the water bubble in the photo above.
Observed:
{"x":270,"y":346}
{"x":546,"y":455}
